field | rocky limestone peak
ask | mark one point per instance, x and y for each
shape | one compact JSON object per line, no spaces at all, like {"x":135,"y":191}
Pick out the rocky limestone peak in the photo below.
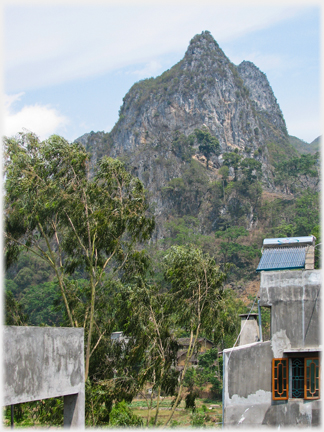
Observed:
{"x":204,"y":89}
{"x":261,"y":93}
{"x":203,"y":44}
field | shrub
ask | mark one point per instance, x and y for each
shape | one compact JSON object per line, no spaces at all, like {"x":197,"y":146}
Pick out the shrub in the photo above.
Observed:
{"x":197,"y":420}
{"x":191,"y":400}
{"x":122,"y":415}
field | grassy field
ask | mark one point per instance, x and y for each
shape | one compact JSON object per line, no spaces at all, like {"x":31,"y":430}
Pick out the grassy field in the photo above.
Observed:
{"x":207,"y":411}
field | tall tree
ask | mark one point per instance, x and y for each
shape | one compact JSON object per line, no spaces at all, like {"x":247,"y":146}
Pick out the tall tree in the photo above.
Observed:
{"x":195,"y":296}
{"x":152,"y":348}
{"x":54,"y":209}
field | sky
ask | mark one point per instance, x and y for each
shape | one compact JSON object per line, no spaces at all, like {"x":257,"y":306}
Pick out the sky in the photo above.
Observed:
{"x":66,"y":67}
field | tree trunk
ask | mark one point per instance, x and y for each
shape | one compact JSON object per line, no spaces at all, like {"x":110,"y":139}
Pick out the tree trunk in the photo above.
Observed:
{"x":157,"y":405}
{"x":191,"y":348}
{"x":91,"y":318}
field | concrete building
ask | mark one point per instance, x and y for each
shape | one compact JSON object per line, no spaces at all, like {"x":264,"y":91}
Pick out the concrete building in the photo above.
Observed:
{"x":277,"y":382}
{"x":45,"y":362}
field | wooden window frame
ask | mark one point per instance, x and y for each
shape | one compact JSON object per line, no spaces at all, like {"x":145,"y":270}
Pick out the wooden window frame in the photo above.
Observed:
{"x":275,"y":380}
{"x":307,"y":383}
{"x":308,"y":393}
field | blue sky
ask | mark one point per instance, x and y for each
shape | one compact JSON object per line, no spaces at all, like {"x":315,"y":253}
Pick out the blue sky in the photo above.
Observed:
{"x":67,"y":68}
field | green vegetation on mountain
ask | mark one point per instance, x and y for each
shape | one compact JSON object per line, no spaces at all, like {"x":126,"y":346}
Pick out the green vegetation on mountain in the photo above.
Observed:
{"x":303,"y":147}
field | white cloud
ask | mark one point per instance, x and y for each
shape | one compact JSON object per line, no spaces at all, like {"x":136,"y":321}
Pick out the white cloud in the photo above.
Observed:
{"x":43,"y":120}
{"x":50,"y":45}
{"x":150,"y":69}
{"x":275,"y":63}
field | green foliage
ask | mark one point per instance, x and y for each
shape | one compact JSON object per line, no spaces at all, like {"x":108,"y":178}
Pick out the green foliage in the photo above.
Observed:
{"x":44,"y":412}
{"x":42,"y":303}
{"x":290,"y":173}
{"x":316,"y":231}
{"x":69,"y":220}
{"x":280,"y":150}
{"x":98,"y":403}
{"x":196,"y":287}
{"x":183,"y":231}
{"x":195,"y":295}
{"x":224,"y":171}
{"x":190,"y":399}
{"x":232,"y":251}
{"x":266,"y":322}
{"x":50,"y":411}
{"x":251,"y":170}
{"x":233,"y":160}
{"x":13,"y":310}
{"x":182,"y":146}
{"x":142,"y":314}
{"x":122,"y":416}
{"x":307,"y":213}
{"x":187,"y":193}
{"x":198,"y":419}
{"x":295,"y":217}
{"x":208,"y":144}
{"x":207,"y":372}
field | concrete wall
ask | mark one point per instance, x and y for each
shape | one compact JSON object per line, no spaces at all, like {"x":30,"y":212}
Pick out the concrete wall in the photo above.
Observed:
{"x":45,"y":362}
{"x":294,"y":298}
{"x":247,"y":384}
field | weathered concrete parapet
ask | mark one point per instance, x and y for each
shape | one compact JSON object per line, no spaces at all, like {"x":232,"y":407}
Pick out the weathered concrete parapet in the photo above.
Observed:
{"x":45,"y":362}
{"x":247,"y":384}
{"x":294,"y":298}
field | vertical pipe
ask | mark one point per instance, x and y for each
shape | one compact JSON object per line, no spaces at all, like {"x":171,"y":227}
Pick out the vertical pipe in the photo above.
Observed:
{"x":260,"y":324}
{"x":223,"y":393}
{"x":12,"y":416}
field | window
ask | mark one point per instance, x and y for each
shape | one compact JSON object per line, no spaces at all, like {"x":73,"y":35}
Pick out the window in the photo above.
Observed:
{"x":280,"y":379}
{"x":295,"y":377}
{"x":312,"y":378}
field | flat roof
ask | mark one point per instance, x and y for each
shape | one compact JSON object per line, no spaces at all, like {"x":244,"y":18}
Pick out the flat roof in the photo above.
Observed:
{"x":289,"y":241}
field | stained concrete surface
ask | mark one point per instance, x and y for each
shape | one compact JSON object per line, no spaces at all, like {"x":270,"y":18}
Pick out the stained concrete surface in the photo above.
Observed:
{"x":45,"y":362}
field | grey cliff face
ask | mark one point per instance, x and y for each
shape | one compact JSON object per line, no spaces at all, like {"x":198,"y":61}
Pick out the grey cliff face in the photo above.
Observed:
{"x":204,"y":88}
{"x":236,"y":104}
{"x":261,"y":94}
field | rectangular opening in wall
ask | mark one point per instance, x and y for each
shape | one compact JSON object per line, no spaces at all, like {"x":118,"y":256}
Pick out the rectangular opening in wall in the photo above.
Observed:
{"x":266,"y":323}
{"x":297,"y":375}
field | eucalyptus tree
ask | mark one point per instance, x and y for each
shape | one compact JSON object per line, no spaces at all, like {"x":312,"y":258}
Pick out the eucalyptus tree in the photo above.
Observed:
{"x":195,"y":297}
{"x":145,"y":318}
{"x":57,"y":210}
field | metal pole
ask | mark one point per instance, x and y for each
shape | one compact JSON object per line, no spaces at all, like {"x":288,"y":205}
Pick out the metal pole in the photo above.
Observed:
{"x":260,"y":324}
{"x":223,"y":393}
{"x":12,"y":416}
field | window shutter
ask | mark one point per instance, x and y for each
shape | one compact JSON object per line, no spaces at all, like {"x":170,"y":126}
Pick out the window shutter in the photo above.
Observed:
{"x":279,"y":378}
{"x":312,"y":378}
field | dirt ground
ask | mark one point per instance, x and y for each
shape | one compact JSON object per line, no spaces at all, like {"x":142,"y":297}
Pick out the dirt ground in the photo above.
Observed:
{"x":182,"y":417}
